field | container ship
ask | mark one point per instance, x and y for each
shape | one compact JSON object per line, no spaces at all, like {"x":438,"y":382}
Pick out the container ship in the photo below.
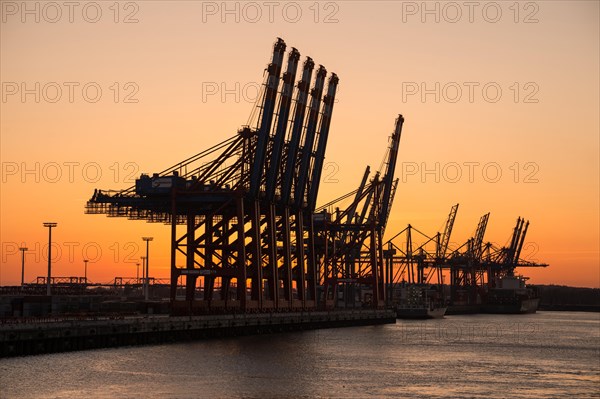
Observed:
{"x":511,"y":295}
{"x":418,"y":301}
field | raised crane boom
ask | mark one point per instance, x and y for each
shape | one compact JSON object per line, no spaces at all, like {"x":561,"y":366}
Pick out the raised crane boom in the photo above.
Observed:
{"x":296,"y":131}
{"x":477,"y":249}
{"x":309,"y":137}
{"x":264,"y":129}
{"x":282,"y":120}
{"x":388,"y":177}
{"x":328,"y":102}
{"x":514,"y":241}
{"x":443,"y":246}
{"x":520,"y":247}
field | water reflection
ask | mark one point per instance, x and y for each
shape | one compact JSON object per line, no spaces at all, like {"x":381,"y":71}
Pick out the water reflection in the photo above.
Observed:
{"x":483,"y":356}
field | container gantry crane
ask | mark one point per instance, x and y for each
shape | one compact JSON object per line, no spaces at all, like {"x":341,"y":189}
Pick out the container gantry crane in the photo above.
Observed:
{"x":467,"y":277}
{"x":412,"y":264}
{"x":247,"y":205}
{"x":501,"y":262}
{"x":350,"y":247}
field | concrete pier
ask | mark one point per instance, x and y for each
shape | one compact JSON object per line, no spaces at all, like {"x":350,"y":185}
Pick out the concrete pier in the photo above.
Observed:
{"x":18,"y":339}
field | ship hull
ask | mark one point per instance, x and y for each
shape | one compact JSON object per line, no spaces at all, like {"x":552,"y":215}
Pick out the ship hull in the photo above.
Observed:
{"x":463,"y":309}
{"x":420,"y":313}
{"x":522,"y":306}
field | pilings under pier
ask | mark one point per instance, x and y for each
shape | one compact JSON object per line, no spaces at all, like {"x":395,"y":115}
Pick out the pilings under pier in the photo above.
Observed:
{"x":70,"y":335}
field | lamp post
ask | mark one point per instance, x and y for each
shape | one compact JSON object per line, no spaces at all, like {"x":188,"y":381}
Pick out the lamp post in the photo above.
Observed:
{"x":137,"y":273}
{"x":143,"y":258}
{"x":23,"y":249}
{"x":143,"y":273}
{"x":147,"y":282}
{"x":85,"y":261}
{"x":49,"y":225}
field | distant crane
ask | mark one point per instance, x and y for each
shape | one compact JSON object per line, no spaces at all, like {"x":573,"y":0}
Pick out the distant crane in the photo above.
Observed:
{"x":419,"y":263}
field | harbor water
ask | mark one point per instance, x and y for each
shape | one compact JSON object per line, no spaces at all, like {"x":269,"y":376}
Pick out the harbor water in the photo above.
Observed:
{"x":547,"y":354}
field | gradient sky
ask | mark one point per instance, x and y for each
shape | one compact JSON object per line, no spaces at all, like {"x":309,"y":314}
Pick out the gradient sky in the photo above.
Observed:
{"x":155,"y":74}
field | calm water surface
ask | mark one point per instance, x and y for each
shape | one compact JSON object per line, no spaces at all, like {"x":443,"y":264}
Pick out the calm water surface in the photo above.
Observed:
{"x":548,"y":354}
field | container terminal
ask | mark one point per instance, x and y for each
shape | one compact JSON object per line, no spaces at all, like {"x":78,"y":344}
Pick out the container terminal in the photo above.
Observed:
{"x":259,"y":256}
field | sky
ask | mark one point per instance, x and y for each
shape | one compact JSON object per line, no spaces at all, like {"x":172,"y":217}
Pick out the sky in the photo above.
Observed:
{"x":500,"y":100}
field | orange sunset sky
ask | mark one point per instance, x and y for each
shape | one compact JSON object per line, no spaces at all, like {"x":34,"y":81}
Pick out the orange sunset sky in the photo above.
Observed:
{"x":95,"y":93}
